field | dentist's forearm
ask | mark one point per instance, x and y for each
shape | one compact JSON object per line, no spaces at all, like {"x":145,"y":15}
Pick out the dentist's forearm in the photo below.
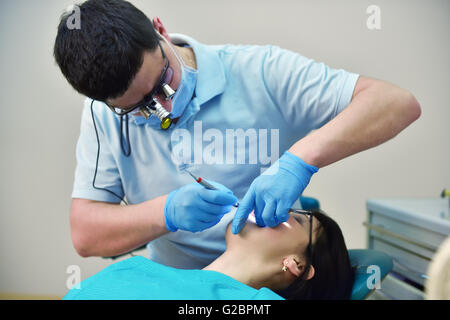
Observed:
{"x":105,"y":229}
{"x":376,"y":114}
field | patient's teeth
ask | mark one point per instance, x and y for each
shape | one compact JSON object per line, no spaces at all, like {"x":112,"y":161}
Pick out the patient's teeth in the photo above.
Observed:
{"x":251,"y":218}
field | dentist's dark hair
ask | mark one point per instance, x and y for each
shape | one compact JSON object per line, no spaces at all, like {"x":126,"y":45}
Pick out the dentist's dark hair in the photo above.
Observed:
{"x":334,"y":275}
{"x":102,"y":57}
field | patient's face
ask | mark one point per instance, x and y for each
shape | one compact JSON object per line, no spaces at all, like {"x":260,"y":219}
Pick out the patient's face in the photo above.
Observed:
{"x":287,"y":238}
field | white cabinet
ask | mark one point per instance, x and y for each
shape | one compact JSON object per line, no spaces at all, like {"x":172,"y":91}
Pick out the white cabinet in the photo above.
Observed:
{"x":410,"y":231}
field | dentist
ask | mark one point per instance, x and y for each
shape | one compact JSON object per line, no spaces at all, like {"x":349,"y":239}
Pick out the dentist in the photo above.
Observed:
{"x":144,"y":85}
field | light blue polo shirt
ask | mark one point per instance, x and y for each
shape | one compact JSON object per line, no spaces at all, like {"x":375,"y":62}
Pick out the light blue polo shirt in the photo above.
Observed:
{"x":138,"y":278}
{"x":251,"y":104}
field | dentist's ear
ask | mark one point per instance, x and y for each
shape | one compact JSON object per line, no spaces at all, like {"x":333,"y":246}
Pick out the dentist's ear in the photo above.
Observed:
{"x":159,"y":28}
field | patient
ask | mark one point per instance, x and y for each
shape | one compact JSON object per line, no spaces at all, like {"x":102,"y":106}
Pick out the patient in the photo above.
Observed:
{"x":258,"y":263}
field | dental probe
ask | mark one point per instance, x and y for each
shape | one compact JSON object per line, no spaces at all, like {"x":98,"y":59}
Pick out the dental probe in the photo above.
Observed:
{"x":206,"y":184}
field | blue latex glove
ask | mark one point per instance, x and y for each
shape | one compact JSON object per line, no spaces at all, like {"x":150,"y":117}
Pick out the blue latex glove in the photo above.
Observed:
{"x":274,"y":192}
{"x":195,"y":208}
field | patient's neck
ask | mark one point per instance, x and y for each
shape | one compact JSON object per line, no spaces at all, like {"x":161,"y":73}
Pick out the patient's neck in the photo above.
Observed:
{"x":246,"y":267}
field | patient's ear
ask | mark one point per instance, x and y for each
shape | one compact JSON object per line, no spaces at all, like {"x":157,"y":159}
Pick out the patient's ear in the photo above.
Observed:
{"x":295,"y":266}
{"x":291,"y":263}
{"x":311,"y":273}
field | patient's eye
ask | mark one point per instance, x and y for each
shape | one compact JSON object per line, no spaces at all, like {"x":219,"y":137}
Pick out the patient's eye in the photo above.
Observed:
{"x":298,"y":218}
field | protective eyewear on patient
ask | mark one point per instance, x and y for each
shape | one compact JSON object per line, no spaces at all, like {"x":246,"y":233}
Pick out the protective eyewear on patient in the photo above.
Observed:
{"x":162,"y":86}
{"x":295,"y":214}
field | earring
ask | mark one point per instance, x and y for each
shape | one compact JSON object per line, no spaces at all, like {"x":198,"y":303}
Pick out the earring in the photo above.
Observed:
{"x":285,"y":266}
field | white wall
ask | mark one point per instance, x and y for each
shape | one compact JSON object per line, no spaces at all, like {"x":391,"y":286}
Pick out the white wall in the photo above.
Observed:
{"x":41,"y":113}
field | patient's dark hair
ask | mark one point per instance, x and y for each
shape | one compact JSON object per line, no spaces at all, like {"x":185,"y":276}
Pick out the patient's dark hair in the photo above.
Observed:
{"x":334,"y":275}
{"x":102,"y":56}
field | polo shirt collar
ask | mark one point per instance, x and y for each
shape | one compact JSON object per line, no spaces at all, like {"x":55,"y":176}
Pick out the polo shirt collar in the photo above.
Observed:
{"x":211,"y":75}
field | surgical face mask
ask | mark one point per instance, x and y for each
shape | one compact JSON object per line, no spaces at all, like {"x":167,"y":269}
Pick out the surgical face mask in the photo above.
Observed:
{"x":184,"y":92}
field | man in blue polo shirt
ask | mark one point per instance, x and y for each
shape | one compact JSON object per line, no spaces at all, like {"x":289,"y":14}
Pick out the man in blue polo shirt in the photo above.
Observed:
{"x":256,"y":121}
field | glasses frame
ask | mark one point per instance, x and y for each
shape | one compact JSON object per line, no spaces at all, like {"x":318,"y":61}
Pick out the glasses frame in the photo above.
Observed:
{"x":149,"y":96}
{"x":310,"y":214}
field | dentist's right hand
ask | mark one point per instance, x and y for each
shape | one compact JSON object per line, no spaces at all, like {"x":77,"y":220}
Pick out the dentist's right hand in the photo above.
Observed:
{"x":194,"y":208}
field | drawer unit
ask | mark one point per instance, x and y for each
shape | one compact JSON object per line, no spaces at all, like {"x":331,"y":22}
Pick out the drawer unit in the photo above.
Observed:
{"x":393,"y":288}
{"x":410,"y":231}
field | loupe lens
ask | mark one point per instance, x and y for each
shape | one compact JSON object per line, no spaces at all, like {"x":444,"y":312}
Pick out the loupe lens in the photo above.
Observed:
{"x":168,"y":91}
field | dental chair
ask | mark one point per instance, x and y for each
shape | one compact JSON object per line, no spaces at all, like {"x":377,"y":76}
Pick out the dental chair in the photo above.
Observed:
{"x":362,"y":260}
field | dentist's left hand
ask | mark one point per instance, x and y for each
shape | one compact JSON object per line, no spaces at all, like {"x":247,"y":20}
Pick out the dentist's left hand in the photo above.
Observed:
{"x":274,"y":192}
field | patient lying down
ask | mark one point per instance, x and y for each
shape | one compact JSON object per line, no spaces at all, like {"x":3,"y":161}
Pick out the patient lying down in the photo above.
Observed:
{"x":258,"y":263}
